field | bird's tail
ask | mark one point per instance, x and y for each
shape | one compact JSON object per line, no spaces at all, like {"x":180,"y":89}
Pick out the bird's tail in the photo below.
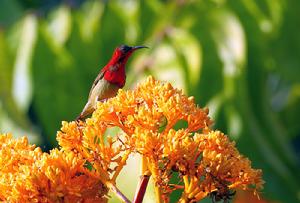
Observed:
{"x":87,"y":110}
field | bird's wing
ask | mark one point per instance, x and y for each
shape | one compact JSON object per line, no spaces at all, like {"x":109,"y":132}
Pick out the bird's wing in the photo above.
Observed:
{"x":98,"y":78}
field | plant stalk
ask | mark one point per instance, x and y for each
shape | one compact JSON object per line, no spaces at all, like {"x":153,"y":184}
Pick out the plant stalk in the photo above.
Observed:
{"x":141,"y":190}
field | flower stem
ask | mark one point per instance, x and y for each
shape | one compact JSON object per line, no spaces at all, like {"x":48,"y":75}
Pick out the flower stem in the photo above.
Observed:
{"x":141,"y":189}
{"x":140,"y":193}
{"x":158,"y":194}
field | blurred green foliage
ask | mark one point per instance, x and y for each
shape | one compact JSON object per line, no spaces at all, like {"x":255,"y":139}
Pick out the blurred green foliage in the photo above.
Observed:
{"x":239,"y":58}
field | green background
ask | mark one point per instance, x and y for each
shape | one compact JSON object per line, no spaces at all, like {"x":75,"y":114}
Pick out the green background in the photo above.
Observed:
{"x":240,"y":58}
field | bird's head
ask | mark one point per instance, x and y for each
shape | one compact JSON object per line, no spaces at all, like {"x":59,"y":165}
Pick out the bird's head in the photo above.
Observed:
{"x":115,"y":69}
{"x":123,"y":52}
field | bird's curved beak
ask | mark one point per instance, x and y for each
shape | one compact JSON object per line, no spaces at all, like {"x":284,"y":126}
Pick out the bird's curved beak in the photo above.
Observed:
{"x":138,"y":47}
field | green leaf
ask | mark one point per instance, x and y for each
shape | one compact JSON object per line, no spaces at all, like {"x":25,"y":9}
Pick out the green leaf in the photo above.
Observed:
{"x":188,"y":46}
{"x":22,"y":86}
{"x":59,"y":24}
{"x":7,"y":101}
{"x":291,"y":112}
{"x":10,"y":11}
{"x":166,"y":66}
{"x":12,"y":119}
{"x":50,"y":66}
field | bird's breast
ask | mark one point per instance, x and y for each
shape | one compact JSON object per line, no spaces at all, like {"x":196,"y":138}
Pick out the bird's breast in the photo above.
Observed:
{"x":104,"y":90}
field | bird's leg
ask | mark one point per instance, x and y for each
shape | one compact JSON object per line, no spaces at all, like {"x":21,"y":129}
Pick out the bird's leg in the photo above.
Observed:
{"x":78,"y":122}
{"x":78,"y":118}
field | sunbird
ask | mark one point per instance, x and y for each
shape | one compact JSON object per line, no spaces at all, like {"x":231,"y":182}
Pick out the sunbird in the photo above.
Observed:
{"x":110,"y":79}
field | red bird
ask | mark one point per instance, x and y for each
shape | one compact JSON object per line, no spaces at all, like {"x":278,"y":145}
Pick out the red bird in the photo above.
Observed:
{"x":111,"y":78}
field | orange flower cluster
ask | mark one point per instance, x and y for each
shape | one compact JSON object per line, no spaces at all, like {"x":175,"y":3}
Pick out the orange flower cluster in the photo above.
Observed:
{"x":204,"y":162}
{"x":220,"y":169}
{"x":28,"y":175}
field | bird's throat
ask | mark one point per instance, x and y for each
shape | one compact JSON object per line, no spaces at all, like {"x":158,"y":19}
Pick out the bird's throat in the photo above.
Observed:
{"x":116,"y":77}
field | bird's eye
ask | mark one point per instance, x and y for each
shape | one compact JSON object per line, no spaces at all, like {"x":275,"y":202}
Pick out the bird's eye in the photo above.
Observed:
{"x":124,"y":48}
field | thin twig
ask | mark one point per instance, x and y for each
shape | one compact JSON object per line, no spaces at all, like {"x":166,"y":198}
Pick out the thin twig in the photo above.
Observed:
{"x":119,"y":194}
{"x":120,"y":166}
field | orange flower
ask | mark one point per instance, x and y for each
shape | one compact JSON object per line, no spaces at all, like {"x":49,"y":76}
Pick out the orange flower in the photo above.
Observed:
{"x":28,"y":175}
{"x":204,"y":162}
{"x":148,"y":106}
{"x":246,"y":196}
{"x":221,"y":168}
{"x":208,"y":163}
